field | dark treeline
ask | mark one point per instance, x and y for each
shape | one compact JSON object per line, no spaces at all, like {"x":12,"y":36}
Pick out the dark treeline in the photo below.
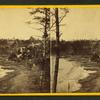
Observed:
{"x":76,"y":47}
{"x":8,"y":45}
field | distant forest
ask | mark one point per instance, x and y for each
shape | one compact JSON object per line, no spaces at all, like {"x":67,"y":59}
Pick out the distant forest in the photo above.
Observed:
{"x":77,"y":47}
{"x":7,"y":45}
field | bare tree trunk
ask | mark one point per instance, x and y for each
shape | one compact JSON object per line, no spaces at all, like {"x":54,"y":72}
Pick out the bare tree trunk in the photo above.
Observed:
{"x":57,"y":50}
{"x":45,"y":31}
{"x":46,"y":66}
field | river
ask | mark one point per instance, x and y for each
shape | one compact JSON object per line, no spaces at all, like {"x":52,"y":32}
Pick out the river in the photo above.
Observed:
{"x":4,"y":72}
{"x":70,"y":72}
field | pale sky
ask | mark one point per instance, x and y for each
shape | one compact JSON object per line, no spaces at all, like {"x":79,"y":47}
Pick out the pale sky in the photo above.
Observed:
{"x":13,"y":23}
{"x":81,"y":23}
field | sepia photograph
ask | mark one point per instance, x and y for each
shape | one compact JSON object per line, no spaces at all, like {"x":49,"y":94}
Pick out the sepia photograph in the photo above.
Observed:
{"x":49,"y":50}
{"x":75,"y":53}
{"x":24,"y":50}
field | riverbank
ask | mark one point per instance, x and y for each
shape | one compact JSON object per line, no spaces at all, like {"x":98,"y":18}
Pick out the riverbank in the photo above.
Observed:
{"x":78,"y":74}
{"x":24,"y":79}
{"x":92,"y":82}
